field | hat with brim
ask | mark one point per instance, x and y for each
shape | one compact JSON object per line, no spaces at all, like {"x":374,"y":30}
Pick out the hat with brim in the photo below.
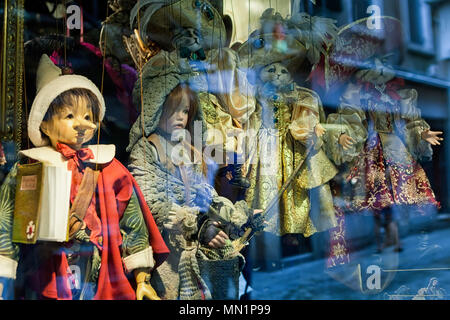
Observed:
{"x":359,"y":41}
{"x":161,"y":18}
{"x":261,"y":50}
{"x":50,"y":83}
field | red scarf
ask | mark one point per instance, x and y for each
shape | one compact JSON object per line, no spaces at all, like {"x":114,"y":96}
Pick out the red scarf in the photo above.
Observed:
{"x":76,"y":165}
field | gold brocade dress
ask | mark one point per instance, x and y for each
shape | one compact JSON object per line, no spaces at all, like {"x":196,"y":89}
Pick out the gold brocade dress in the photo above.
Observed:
{"x":288,"y":121}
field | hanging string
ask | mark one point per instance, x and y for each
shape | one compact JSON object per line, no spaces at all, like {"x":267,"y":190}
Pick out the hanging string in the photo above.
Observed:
{"x":66,"y":34}
{"x":25,"y":93}
{"x":58,"y":44}
{"x":82,"y":21}
{"x":246,"y":167}
{"x":208,"y":93}
{"x":104,"y":56}
{"x":179,"y":24}
{"x":166,"y":18}
{"x":101,"y":87}
{"x":140,"y":75}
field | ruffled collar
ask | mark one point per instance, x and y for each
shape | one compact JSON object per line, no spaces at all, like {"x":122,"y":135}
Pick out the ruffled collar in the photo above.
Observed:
{"x":102,"y":154}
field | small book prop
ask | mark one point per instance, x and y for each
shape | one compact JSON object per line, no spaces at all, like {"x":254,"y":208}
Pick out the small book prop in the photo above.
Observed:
{"x":42,"y":203}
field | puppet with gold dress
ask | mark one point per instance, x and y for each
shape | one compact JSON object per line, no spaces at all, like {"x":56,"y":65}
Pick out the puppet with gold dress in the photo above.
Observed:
{"x":290,"y":131}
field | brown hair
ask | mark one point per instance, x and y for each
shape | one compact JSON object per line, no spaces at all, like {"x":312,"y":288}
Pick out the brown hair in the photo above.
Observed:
{"x":170,"y":105}
{"x":173,"y":101}
{"x":70,"y":97}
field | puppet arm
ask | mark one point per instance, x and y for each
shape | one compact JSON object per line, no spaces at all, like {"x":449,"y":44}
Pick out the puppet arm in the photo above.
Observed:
{"x":347,"y":122}
{"x":136,"y":252}
{"x":414,"y":126}
{"x":9,"y":251}
{"x":305,"y":120}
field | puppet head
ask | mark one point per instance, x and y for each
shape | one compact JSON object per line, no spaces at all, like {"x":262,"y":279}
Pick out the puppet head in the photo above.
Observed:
{"x":298,"y":41}
{"x":71,"y":118}
{"x":275,"y":74}
{"x":179,"y":109}
{"x":160,"y":21}
{"x":66,"y":98}
{"x":262,"y":50}
{"x":377,"y":72}
{"x":160,"y":76}
{"x":187,"y":41}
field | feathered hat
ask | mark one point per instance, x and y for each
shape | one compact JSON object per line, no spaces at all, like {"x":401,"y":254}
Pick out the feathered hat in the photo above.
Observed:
{"x":356,"y":43}
{"x":293,"y":41}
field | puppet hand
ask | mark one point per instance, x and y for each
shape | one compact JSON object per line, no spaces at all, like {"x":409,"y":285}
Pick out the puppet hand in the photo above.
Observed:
{"x":432,"y":137}
{"x":258,"y":223}
{"x":319,"y":130}
{"x":183,"y":220}
{"x":219,"y":240}
{"x":213,"y":236}
{"x":175,"y":217}
{"x":144,"y":288}
{"x":346,"y":141}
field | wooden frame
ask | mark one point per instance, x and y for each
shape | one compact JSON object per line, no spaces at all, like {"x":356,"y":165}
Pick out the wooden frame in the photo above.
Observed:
{"x":11,"y":66}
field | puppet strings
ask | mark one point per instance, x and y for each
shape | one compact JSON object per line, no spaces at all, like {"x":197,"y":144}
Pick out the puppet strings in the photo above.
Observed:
{"x":248,"y":126}
{"x":25,"y":93}
{"x":166,"y":18}
{"x":141,"y":62}
{"x":102,"y":86}
{"x":65,"y":33}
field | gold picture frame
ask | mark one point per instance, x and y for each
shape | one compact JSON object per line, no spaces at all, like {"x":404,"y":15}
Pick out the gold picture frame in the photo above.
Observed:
{"x":11,"y":66}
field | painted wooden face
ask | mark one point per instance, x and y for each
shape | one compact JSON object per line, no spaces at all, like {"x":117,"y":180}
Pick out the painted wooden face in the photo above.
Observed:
{"x":73,"y":125}
{"x":275,"y":74}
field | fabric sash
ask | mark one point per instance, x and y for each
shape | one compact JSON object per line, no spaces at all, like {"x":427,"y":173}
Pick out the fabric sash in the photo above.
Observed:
{"x":82,"y":200}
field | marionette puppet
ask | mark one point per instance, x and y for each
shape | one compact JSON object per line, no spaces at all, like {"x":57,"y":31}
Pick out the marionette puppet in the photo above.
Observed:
{"x":109,"y":233}
{"x":193,"y":33}
{"x":382,"y":136}
{"x":196,"y":223}
{"x":289,"y":144}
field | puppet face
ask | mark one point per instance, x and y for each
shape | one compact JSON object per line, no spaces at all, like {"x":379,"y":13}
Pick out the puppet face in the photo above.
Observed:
{"x":73,"y":125}
{"x":275,"y":74}
{"x":178,"y":118}
{"x":187,"y":40}
{"x":379,"y":73}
